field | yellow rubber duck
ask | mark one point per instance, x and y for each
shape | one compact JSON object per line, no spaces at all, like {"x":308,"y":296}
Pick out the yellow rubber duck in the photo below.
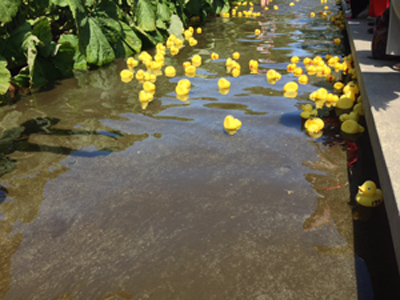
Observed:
{"x":308,"y":111}
{"x":312,"y":14}
{"x":145,"y":98}
{"x":337,"y":41}
{"x":329,"y":78}
{"x":235,"y":72}
{"x":236,"y":55}
{"x":331,"y":100}
{"x":186,"y":64}
{"x":140,"y":75}
{"x":298,"y":71}
{"x":303,"y":79}
{"x":351,"y":127}
{"x":199,"y":30}
{"x":294,"y":59}
{"x":359,"y":109}
{"x":190,"y":71}
{"x":174,"y":50}
{"x":321,"y":94}
{"x":369,"y":195}
{"x":291,"y":67}
{"x":314,"y":125}
{"x":223,"y":83}
{"x":231,"y":124}
{"x":192,"y":41}
{"x":196,"y":60}
{"x":307,"y":61}
{"x":178,"y":43}
{"x":311,"y":70}
{"x":350,"y":116}
{"x":170,"y":71}
{"x":253,"y":66}
{"x":273,"y":76}
{"x":291,"y":4}
{"x":214,"y":56}
{"x":257,"y":31}
{"x":345,"y":103}
{"x":149,"y":87}
{"x":338,"y":86}
{"x":351,"y":86}
{"x":229,"y":62}
{"x":276,"y":7}
{"x":291,"y":86}
{"x":181,"y":90}
{"x":126,"y":76}
{"x":185,"y":83}
{"x":131,"y":63}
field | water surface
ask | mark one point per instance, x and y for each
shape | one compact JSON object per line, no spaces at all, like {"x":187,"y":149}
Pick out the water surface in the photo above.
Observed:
{"x":104,"y":200}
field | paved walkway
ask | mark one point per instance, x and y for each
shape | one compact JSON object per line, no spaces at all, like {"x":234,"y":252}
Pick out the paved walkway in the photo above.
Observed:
{"x":380,"y":90}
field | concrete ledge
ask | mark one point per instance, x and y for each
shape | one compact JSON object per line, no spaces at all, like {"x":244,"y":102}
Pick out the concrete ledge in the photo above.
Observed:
{"x":380,"y":91}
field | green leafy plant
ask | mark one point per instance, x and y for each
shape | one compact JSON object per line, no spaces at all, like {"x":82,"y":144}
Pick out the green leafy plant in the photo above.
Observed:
{"x":43,"y":40}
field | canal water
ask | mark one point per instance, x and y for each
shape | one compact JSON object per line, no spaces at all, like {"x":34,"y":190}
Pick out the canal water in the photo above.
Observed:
{"x":101,"y":199}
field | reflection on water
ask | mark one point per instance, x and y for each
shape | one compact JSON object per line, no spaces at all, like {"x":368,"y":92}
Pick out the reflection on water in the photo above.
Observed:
{"x":329,"y":179}
{"x":108,"y":200}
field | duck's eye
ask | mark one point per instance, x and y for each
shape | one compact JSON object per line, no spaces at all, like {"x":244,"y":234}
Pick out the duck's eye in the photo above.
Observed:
{"x":369,"y":188}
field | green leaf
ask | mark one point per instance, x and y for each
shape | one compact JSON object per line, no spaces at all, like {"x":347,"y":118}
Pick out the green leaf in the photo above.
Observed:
{"x":4,"y":76}
{"x":111,"y":28}
{"x":221,"y":6}
{"x":64,"y":60}
{"x":145,"y":15}
{"x":93,"y":43}
{"x":194,"y":7}
{"x":163,"y":12}
{"x":36,"y":73}
{"x":176,"y":26}
{"x":160,"y":24}
{"x":12,"y":48}
{"x":22,"y":78}
{"x":130,"y":38}
{"x":42,"y":29}
{"x":62,"y":3}
{"x":79,"y":59}
{"x":8,"y":9}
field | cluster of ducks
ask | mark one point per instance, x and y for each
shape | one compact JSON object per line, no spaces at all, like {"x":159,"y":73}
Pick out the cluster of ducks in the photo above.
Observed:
{"x":345,"y":99}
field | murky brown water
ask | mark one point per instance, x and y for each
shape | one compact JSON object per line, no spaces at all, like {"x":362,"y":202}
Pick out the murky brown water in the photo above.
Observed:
{"x":109,"y":201}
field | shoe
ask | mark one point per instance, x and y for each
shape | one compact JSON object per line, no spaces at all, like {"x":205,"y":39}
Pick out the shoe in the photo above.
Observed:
{"x":396,"y":67}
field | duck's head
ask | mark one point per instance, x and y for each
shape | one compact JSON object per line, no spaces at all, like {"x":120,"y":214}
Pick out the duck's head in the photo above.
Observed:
{"x":368,"y":188}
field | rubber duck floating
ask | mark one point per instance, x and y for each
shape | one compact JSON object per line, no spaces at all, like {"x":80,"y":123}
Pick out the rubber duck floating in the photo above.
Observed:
{"x":126,"y":75}
{"x":190,"y":71}
{"x":253,"y":66}
{"x":345,"y":103}
{"x":214,"y":56}
{"x":369,"y":195}
{"x":297,"y":71}
{"x":196,"y":60}
{"x":223,"y":83}
{"x":145,"y":98}
{"x":359,"y":109}
{"x":170,"y":71}
{"x":273,"y":76}
{"x":303,"y":79}
{"x":308,"y":111}
{"x":351,"y":127}
{"x":236,"y":55}
{"x":314,"y":125}
{"x":291,"y":67}
{"x":231,"y":125}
